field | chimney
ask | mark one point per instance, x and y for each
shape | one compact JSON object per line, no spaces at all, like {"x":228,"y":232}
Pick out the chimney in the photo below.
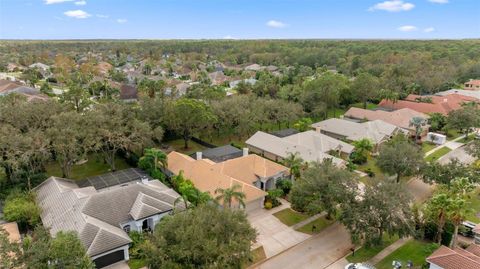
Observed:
{"x":144,"y":179}
{"x":198,"y":155}
{"x":245,"y":151}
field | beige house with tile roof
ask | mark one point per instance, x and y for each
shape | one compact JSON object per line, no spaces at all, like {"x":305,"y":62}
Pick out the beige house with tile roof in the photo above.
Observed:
{"x":252,"y":173}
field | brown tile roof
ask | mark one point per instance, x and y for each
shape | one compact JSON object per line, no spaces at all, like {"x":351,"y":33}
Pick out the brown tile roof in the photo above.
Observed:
{"x":457,"y":258}
{"x":473,"y":82}
{"x":400,"y":118}
{"x":440,"y":104}
{"x":128,"y":92}
{"x":6,"y":85}
{"x":249,"y":168}
{"x":475,"y":249}
{"x":207,"y":178}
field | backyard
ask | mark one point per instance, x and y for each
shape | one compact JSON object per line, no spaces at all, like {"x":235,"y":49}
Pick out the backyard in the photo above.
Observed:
{"x":93,"y":167}
{"x":414,"y":250}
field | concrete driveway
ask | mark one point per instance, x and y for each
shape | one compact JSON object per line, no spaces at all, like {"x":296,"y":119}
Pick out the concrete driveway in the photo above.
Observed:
{"x":460,"y":154}
{"x":273,"y":235}
{"x":118,"y":265}
{"x":320,"y":251}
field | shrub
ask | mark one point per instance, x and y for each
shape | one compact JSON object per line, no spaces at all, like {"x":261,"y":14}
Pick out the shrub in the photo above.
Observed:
{"x":273,"y":196}
{"x":268,"y":205}
{"x":285,"y":185}
{"x":370,"y":173}
{"x":21,"y":208}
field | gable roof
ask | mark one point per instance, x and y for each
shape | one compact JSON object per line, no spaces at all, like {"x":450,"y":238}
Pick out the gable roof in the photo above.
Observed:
{"x":96,"y":216}
{"x":207,"y":177}
{"x":468,"y":93}
{"x":439,"y":104}
{"x":400,"y":118}
{"x":128,"y":92}
{"x":457,"y":258}
{"x":282,"y":147}
{"x":376,"y":131}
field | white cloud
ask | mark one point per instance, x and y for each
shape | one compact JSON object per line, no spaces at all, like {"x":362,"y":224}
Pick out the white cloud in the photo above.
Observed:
{"x":77,"y":14}
{"x":228,"y":37}
{"x":276,"y":24}
{"x":121,"y":20}
{"x":438,"y":1}
{"x":102,"y":16}
{"x":81,"y":3}
{"x":429,"y":29}
{"x":392,"y":6}
{"x":49,"y":2}
{"x":407,"y":28}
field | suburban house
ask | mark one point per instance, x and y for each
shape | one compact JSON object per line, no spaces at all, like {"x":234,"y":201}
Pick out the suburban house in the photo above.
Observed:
{"x":457,"y":258}
{"x":252,"y":173}
{"x":400,"y":118}
{"x":128,"y":93}
{"x":220,"y":154}
{"x":217,"y":78}
{"x":32,"y":94}
{"x":429,"y":104}
{"x":310,"y":146}
{"x":376,"y":131}
{"x":472,"y":85}
{"x":103,"y":209}
{"x":467,"y":93}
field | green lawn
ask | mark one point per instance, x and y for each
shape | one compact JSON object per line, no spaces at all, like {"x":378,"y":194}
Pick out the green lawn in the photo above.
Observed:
{"x":95,"y":166}
{"x":437,"y":154}
{"x":414,"y":250}
{"x":427,"y":146}
{"x":474,"y":204}
{"x":452,"y":134}
{"x":178,"y":145}
{"x":290,"y":217}
{"x":372,"y":165}
{"x":320,"y":224}
{"x":136,"y":263}
{"x":470,"y":138}
{"x":364,"y":254}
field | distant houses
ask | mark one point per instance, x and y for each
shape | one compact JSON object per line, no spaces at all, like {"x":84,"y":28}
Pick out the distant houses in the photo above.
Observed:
{"x":472,"y":85}
{"x":32,"y":94}
{"x":429,"y":104}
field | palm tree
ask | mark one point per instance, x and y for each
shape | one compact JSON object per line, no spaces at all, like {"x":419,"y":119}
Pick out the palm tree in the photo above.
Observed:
{"x":156,"y":158}
{"x":390,"y":95}
{"x":228,"y":195}
{"x":362,"y":147}
{"x":457,"y":213}
{"x":436,"y":210}
{"x":417,"y":122}
{"x":181,"y":199}
{"x":294,"y":161}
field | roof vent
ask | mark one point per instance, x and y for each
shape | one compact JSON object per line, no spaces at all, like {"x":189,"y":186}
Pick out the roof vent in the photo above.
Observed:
{"x":144,"y":179}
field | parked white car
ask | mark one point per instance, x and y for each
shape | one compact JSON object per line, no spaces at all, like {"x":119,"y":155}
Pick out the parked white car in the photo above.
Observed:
{"x":359,"y":266}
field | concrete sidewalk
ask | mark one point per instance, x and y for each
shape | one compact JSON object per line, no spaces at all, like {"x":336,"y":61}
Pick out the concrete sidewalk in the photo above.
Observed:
{"x":388,"y":250}
{"x":453,"y":144}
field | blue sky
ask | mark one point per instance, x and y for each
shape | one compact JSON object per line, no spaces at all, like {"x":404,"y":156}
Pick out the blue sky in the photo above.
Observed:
{"x":239,"y":19}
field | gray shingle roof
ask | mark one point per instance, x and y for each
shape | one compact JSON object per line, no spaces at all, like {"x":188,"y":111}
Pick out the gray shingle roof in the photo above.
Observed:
{"x":97,"y":215}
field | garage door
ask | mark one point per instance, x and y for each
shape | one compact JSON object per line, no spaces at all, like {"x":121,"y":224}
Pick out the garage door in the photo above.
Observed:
{"x":253,"y":205}
{"x":109,"y":259}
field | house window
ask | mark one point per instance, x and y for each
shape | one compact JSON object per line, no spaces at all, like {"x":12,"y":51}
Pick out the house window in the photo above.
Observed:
{"x":126,"y":228}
